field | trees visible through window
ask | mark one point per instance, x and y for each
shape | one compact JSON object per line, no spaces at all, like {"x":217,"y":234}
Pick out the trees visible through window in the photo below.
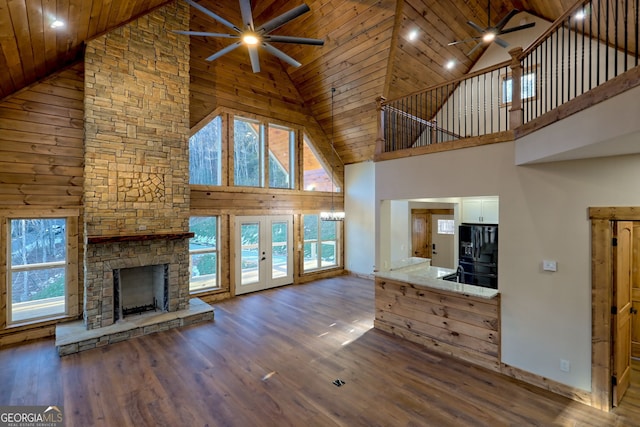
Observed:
{"x":315,"y":177}
{"x":248,"y":149}
{"x":205,"y":154}
{"x":37,"y":268}
{"x":203,"y":253}
{"x":281,"y":150}
{"x":320,"y":243}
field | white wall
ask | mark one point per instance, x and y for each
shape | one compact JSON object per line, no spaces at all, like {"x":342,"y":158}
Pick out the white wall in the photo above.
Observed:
{"x":543,"y":215}
{"x":359,"y":202}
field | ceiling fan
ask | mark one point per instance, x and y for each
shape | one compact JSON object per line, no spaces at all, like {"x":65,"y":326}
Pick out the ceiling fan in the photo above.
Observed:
{"x":247,"y":34}
{"x":489,"y":33}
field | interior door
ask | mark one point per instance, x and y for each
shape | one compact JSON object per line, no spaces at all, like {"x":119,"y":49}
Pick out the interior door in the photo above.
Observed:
{"x":442,"y":238}
{"x":420,"y":235}
{"x":264,"y":253}
{"x":621,"y":312}
{"x":635,"y":293}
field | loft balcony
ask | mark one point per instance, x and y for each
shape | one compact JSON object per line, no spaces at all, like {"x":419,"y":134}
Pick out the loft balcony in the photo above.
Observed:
{"x":579,"y":83}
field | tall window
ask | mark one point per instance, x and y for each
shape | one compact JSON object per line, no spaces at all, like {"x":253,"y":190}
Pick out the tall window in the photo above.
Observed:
{"x":203,"y":253}
{"x":37,"y":273}
{"x":248,"y":153}
{"x":315,"y":177}
{"x":281,"y":158}
{"x":205,"y":154}
{"x":321,"y":243}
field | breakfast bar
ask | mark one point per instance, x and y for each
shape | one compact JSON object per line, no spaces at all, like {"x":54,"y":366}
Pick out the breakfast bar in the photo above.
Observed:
{"x":414,"y":302}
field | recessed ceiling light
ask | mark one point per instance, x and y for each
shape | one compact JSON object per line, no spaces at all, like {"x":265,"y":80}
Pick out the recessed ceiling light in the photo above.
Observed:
{"x":450,"y":64}
{"x":57,"y":23}
{"x":413,"y":34}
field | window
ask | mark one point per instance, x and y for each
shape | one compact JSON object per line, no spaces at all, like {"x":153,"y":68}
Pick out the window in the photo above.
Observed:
{"x":528,"y":87}
{"x":203,"y":254}
{"x":205,"y":154}
{"x":315,"y":177}
{"x":445,"y":226}
{"x":37,"y":273}
{"x":248,"y":153}
{"x":320,"y":243}
{"x":281,"y":149}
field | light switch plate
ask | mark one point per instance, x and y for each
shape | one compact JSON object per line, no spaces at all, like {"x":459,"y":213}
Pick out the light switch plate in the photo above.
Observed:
{"x":548,"y":265}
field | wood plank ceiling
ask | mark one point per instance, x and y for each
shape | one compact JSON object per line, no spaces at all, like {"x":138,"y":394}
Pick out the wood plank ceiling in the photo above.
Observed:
{"x":366,"y":54}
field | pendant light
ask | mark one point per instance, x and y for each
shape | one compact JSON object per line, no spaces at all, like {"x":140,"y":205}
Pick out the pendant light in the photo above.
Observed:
{"x":332,"y":215}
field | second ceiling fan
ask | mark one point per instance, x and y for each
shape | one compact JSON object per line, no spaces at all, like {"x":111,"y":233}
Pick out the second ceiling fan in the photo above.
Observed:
{"x":491,"y":33}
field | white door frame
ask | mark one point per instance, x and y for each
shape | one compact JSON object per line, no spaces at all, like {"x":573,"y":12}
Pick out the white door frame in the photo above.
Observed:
{"x":265,"y":257}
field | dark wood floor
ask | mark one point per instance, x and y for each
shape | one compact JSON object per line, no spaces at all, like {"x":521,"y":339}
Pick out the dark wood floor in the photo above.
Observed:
{"x":269,"y":359}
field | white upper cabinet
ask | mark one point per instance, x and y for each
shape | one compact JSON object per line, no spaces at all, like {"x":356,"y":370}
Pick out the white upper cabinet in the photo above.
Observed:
{"x":480,"y":210}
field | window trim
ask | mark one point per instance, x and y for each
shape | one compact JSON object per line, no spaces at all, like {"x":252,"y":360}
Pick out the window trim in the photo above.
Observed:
{"x":217,"y":251}
{"x":71,"y":265}
{"x":318,"y":240}
{"x":535,"y":70}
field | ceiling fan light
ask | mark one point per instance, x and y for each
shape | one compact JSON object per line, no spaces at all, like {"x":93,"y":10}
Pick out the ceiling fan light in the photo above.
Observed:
{"x":250,"y":39}
{"x":489,"y":37}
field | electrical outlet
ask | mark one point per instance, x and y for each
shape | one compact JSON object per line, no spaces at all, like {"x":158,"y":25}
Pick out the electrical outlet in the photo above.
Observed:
{"x":565,"y":366}
{"x":548,"y":265}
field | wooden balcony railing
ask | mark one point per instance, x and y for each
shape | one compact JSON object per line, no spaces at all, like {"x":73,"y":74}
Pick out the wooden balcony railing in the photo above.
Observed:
{"x":593,"y":42}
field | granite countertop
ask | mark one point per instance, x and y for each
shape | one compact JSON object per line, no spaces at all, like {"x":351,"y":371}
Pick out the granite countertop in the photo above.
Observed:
{"x":419,"y":272}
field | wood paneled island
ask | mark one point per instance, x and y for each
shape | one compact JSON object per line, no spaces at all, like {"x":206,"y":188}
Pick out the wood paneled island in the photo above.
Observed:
{"x":415,"y":303}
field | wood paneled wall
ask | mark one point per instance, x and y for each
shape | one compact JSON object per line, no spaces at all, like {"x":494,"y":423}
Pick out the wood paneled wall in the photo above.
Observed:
{"x":41,"y":143}
{"x":41,"y":175}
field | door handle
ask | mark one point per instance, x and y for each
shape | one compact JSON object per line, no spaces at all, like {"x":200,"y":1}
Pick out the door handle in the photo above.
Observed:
{"x":263,"y":258}
{"x":634,"y":311}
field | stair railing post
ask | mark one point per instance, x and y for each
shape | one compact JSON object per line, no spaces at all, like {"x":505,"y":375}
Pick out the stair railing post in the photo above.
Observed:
{"x":380,"y":140}
{"x":515,"y":113}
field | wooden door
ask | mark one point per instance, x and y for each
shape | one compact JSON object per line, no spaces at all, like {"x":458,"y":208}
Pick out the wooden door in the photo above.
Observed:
{"x":420,"y":234}
{"x":635,"y":293}
{"x":623,"y":258}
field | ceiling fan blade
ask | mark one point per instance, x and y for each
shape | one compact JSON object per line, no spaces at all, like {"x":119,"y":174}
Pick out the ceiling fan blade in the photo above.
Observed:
{"x":283,"y":19}
{"x":472,"y":51}
{"x":213,"y":15}
{"x":247,"y":17}
{"x":280,"y":54}
{"x":255,"y":60}
{"x":476,"y":27}
{"x":501,"y":42}
{"x":204,"y":34}
{"x":463,"y":41}
{"x":506,"y":19}
{"x":299,"y":40}
{"x":227,"y":49}
{"x":518,"y":28}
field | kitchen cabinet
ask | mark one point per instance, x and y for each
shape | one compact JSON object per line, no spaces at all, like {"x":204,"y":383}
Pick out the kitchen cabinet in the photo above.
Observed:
{"x":480,"y":211}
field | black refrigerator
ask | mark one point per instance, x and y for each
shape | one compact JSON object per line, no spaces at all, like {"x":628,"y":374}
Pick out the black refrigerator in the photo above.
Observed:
{"x":478,"y":255}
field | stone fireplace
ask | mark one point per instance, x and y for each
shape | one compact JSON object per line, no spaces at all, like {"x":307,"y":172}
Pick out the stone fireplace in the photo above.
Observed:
{"x":136,"y":172}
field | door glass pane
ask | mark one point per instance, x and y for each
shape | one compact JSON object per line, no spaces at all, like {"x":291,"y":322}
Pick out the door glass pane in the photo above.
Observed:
{"x":247,"y":151}
{"x":279,"y":254}
{"x":249,"y":255}
{"x":280,"y":164}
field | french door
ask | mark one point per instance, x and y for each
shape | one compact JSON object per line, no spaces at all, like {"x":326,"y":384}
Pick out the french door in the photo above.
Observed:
{"x":264,"y":252}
